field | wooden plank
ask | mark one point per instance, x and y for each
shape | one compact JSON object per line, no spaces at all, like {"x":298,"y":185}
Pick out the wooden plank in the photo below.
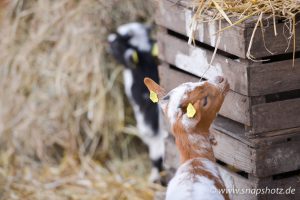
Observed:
{"x":233,"y":152}
{"x":235,"y":40}
{"x":177,"y":18}
{"x":282,"y":185}
{"x":275,"y":115}
{"x":235,"y":106}
{"x":278,"y":158}
{"x":276,"y":44}
{"x":274,"y":77}
{"x":239,"y":183}
{"x":268,"y":155}
{"x":265,"y":135}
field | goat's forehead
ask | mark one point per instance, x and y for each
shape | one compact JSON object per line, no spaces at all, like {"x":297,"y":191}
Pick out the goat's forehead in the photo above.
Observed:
{"x":185,"y":88}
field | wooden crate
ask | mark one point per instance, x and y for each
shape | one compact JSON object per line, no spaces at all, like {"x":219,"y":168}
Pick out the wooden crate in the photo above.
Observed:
{"x":259,"y":90}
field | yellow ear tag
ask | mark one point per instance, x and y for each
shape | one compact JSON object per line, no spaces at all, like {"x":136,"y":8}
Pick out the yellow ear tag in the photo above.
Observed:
{"x":153,"y":97}
{"x":154,"y":50}
{"x":135,"y":57}
{"x":190,"y":111}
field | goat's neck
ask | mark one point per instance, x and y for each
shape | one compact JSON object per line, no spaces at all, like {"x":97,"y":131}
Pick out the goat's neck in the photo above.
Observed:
{"x":194,"y":144}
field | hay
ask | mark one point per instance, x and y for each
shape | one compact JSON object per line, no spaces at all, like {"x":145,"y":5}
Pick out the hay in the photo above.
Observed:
{"x":61,"y":99}
{"x":237,"y":11}
{"x":240,"y":10}
{"x":72,"y":180}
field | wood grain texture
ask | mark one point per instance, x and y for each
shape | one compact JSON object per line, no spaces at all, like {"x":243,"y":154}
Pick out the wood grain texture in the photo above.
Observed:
{"x":267,"y":156}
{"x":233,"y":152}
{"x":278,"y":158}
{"x":273,"y":77}
{"x":268,"y":41}
{"x":235,"y":106}
{"x":276,"y":115}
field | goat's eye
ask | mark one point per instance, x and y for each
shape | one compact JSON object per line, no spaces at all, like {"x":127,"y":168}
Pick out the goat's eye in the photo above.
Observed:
{"x":166,"y":97}
{"x":205,"y":101}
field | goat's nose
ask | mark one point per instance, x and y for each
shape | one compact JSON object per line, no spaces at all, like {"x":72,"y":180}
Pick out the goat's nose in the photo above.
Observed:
{"x":219,"y":79}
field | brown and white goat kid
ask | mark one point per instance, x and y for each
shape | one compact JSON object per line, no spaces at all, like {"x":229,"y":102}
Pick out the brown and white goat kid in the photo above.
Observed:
{"x":198,"y":176}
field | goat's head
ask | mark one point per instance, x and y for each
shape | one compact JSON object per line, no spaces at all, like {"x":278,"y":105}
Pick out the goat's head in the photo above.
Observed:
{"x":129,"y":41}
{"x":204,"y":99}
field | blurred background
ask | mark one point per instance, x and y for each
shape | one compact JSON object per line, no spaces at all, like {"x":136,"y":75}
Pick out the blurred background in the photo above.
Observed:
{"x":66,"y":130}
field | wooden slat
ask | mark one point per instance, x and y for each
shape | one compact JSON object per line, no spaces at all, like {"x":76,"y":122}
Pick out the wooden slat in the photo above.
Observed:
{"x":268,"y":155}
{"x":274,"y":77}
{"x":276,"y":44}
{"x":235,"y":106}
{"x":233,"y":152}
{"x":234,"y":40}
{"x":278,"y":158}
{"x":276,"y":115}
{"x":239,"y":182}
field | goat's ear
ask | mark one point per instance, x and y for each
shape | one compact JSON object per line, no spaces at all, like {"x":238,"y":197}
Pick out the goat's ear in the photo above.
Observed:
{"x":154,"y":87}
{"x":159,"y":92}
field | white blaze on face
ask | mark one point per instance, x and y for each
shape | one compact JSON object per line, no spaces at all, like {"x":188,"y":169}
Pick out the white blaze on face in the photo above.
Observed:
{"x":177,"y":95}
{"x":139,"y":35}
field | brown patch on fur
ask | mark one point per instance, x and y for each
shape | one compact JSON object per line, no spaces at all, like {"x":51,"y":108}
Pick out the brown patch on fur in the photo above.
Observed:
{"x":207,"y":100}
{"x":189,"y":150}
{"x":199,"y":170}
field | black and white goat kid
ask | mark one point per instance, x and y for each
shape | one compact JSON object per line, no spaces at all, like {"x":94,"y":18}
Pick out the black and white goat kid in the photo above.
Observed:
{"x":132,"y":46}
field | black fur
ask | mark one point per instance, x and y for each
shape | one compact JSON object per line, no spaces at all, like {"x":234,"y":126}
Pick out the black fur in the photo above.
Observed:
{"x":158,"y":164}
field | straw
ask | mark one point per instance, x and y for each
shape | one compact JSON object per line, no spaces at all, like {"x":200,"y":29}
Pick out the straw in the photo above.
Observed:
{"x":236,"y":12}
{"x":62,"y":108}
